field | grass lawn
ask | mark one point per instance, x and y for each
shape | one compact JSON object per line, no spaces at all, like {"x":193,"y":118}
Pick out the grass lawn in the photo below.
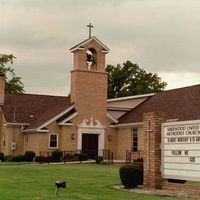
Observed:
{"x":84,"y":182}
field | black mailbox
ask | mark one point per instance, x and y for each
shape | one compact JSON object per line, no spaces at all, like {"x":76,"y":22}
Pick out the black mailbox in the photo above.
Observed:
{"x":60,"y":184}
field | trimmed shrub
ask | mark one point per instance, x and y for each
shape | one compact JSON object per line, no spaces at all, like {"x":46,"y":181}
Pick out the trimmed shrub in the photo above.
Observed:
{"x":131,"y":175}
{"x":43,"y":159}
{"x":79,"y":157}
{"x":1,"y":156}
{"x":18,"y":158}
{"x":75,"y":157}
{"x":48,"y":159}
{"x":83,"y":156}
{"x":29,"y":155}
{"x":67,"y":157}
{"x":99,"y":159}
{"x":56,"y":155}
{"x":8,"y":158}
{"x":40,"y":159}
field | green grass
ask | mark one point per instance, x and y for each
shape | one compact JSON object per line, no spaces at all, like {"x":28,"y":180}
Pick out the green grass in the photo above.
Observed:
{"x":84,"y":182}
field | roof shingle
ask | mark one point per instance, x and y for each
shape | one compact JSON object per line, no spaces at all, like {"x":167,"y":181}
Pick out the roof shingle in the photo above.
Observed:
{"x":33,"y":109}
{"x":182,"y":104}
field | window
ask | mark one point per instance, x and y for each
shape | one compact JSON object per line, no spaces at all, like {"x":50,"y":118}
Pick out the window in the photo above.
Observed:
{"x":134,"y":142}
{"x":53,"y":140}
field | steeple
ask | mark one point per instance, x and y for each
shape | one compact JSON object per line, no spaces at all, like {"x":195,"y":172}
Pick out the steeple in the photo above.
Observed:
{"x":90,"y":55}
{"x":89,"y":79}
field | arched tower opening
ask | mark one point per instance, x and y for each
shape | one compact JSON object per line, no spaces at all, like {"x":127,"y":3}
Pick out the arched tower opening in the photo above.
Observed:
{"x":91,"y":59}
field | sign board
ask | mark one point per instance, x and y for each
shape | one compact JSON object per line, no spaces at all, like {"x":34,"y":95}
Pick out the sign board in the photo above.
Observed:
{"x":181,"y":150}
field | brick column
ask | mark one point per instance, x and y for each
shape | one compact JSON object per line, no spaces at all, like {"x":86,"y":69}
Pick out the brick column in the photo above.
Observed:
{"x":152,"y":151}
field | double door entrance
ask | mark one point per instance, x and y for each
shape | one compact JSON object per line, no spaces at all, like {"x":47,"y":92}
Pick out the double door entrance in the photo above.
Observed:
{"x":90,"y":145}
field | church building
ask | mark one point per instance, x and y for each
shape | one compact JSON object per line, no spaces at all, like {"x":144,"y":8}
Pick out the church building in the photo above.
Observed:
{"x":86,"y":120}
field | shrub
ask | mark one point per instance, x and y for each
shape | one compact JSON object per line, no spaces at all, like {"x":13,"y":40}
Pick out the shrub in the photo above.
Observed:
{"x":40,"y":159}
{"x":75,"y":157}
{"x":56,"y":155}
{"x":67,"y":157}
{"x":18,"y":158}
{"x":99,"y":159}
{"x":29,"y":155}
{"x":1,"y":156}
{"x":79,"y":157}
{"x":8,"y":158}
{"x":49,"y":159}
{"x":83,"y":156}
{"x":131,"y":175}
{"x":43,"y":159}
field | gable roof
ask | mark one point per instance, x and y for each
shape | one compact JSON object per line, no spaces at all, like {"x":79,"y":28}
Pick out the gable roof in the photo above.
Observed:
{"x":80,"y":45}
{"x":181,"y":104}
{"x":33,"y":109}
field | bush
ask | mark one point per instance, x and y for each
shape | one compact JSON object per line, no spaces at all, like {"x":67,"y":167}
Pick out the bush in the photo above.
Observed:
{"x":75,"y":157}
{"x":29,"y":155}
{"x":99,"y":159}
{"x":79,"y":157}
{"x":83,"y":156}
{"x":8,"y":158}
{"x":40,"y":159}
{"x":18,"y":158}
{"x":1,"y":156}
{"x":131,"y":175}
{"x":67,"y":157}
{"x":43,"y":159}
{"x":56,"y":155}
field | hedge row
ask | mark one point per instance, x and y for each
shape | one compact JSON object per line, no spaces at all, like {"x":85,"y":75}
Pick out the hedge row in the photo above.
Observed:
{"x":57,"y":157}
{"x":28,"y":157}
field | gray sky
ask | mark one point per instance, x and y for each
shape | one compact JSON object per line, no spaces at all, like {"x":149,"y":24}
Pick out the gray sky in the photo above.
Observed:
{"x":162,"y":36}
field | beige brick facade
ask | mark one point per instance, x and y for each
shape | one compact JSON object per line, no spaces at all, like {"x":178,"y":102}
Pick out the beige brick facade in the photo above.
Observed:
{"x":89,"y":96}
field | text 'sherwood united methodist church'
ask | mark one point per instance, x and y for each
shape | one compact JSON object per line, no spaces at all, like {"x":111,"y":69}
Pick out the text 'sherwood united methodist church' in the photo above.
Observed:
{"x":86,"y":120}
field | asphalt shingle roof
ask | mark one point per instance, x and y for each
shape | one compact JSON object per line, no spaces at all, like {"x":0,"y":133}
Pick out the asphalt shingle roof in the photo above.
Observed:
{"x":182,"y":104}
{"x":33,"y":109}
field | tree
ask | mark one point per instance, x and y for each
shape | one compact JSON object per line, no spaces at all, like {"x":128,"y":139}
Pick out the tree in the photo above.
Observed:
{"x":129,"y":79}
{"x":13,"y":84}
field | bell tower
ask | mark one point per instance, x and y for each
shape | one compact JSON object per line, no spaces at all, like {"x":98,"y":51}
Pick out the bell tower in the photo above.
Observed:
{"x":89,"y":79}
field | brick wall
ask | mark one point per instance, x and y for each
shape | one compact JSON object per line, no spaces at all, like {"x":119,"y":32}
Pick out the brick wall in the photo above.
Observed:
{"x":152,"y":152}
{"x":192,"y":189}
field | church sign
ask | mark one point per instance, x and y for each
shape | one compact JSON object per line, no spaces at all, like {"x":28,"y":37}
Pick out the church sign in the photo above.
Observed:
{"x":181,"y":150}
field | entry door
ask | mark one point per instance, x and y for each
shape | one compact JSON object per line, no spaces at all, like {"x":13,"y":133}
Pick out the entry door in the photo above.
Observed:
{"x":90,"y":145}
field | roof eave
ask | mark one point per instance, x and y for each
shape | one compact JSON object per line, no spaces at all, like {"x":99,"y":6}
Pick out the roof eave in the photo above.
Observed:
{"x":35,"y":130}
{"x":135,"y":124}
{"x":79,"y":46}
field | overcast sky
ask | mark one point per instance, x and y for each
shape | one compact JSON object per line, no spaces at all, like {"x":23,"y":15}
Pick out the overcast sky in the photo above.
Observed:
{"x":162,"y":36}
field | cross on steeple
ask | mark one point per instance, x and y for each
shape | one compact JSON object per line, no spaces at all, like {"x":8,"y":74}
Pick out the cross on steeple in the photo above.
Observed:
{"x":90,"y":26}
